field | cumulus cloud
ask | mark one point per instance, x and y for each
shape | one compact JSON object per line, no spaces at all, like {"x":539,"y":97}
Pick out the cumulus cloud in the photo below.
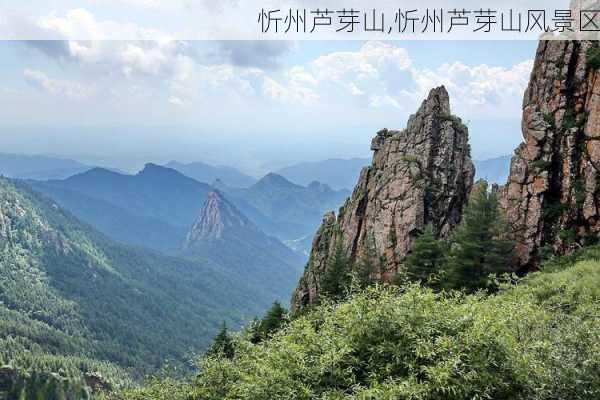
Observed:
{"x":57,"y":87}
{"x":381,"y":75}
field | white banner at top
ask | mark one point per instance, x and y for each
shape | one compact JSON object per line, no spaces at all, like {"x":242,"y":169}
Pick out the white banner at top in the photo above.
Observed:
{"x":299,"y":20}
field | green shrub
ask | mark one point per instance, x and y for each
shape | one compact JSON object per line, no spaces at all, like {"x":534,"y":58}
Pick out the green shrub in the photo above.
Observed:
{"x":539,"y":339}
{"x":593,"y":57}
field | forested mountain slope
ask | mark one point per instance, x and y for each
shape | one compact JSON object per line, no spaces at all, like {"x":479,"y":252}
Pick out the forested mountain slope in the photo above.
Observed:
{"x":67,"y":290}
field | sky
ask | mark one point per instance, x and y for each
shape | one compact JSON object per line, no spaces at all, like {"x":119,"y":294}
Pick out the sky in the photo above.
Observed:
{"x":255,"y":105}
{"x":123,"y":84}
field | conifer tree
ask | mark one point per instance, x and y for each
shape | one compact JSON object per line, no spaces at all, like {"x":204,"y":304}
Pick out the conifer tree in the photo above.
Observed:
{"x":426,"y":258}
{"x":478,"y":247}
{"x":336,"y":279}
{"x":273,"y":321}
{"x":222,"y":345}
{"x":367,"y":264}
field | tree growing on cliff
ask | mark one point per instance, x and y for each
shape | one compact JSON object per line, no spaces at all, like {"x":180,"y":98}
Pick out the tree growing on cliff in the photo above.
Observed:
{"x":427,"y":257}
{"x":336,"y":280}
{"x":478,"y":247}
{"x":367,"y":264}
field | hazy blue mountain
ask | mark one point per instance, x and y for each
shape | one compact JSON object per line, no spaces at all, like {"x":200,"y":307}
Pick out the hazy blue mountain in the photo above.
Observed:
{"x":494,"y":170}
{"x":68,"y":291}
{"x":156,"y":192}
{"x":340,"y":174}
{"x":207,"y":173}
{"x":119,"y":223}
{"x":293,"y":211}
{"x":38,"y":167}
{"x":337,"y":173}
{"x":157,"y":207}
{"x":223,"y":233}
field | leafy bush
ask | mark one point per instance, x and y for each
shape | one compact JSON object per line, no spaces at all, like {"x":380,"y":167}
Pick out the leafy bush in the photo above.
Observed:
{"x":538,"y":339}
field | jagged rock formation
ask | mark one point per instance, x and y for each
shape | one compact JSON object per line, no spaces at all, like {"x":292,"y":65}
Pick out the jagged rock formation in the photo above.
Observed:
{"x":421,"y":175}
{"x":218,"y":217}
{"x":222,"y":232}
{"x":551,"y":198}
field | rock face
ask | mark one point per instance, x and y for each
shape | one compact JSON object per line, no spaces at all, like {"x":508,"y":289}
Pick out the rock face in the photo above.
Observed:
{"x":551,"y":198}
{"x":421,"y":175}
{"x":218,"y":216}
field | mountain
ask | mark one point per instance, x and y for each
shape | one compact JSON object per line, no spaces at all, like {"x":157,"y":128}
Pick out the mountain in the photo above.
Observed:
{"x":288,"y":211}
{"x":69,"y":293}
{"x":221,"y":232}
{"x":343,"y":174}
{"x":552,"y":198}
{"x":337,"y":173}
{"x":493,"y":170}
{"x":153,"y":208}
{"x":39,"y":167}
{"x":156,"y":208}
{"x":208,"y":173}
{"x":419,"y":176}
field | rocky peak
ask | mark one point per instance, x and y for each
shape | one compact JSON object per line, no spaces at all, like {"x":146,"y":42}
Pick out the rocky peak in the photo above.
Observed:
{"x":420,"y":175}
{"x":217,"y":218}
{"x":551,"y":198}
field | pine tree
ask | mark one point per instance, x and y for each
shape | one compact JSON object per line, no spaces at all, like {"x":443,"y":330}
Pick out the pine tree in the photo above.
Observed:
{"x":478,"y":247}
{"x":426,"y":258}
{"x":222,"y":345}
{"x":273,"y":321}
{"x":336,"y":279}
{"x":366,"y":266}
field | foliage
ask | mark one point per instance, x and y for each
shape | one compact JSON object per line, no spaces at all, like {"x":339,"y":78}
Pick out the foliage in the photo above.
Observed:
{"x":366,"y":265}
{"x":427,"y":257}
{"x":272,"y":322}
{"x":538,"y":339}
{"x":222,"y":345}
{"x":336,"y":279}
{"x":73,"y":300}
{"x":478,"y":248}
{"x":593,"y":58}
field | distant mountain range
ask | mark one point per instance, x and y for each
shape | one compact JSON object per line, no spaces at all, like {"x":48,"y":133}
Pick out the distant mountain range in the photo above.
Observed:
{"x":157,"y":206}
{"x":337,"y":173}
{"x":38,"y":167}
{"x":285,"y":209}
{"x":343,"y":174}
{"x":207,"y":173}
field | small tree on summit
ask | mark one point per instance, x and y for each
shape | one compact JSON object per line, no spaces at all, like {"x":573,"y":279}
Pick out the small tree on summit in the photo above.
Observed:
{"x":478,"y":246}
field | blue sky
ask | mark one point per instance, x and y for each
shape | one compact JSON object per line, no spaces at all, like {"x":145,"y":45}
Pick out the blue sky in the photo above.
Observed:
{"x":254,"y":105}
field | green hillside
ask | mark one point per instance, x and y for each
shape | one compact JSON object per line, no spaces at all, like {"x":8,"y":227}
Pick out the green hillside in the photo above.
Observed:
{"x":538,"y":339}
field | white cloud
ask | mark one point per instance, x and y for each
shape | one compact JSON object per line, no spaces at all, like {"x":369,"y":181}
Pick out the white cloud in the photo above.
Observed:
{"x":57,"y":87}
{"x":291,"y":95}
{"x":381,"y":75}
{"x":482,"y":86}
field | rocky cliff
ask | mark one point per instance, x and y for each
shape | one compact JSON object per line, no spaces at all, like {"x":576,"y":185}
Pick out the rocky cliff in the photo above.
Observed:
{"x":420,"y":175}
{"x":551,"y":198}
